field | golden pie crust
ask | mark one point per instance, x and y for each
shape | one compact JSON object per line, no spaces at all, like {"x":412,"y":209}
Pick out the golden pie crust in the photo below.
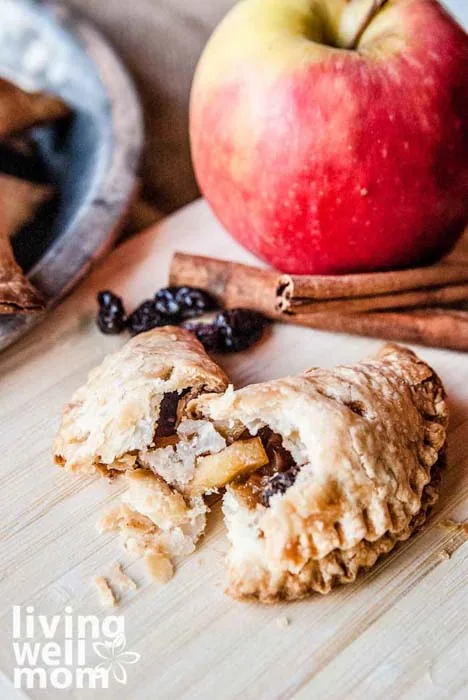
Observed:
{"x":366,"y":443}
{"x":20,"y":110}
{"x":115,"y":415}
{"x":369,"y":440}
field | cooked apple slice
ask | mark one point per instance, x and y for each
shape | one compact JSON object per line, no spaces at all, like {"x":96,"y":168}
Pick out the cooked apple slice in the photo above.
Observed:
{"x":217,"y":470}
{"x":151,"y":496}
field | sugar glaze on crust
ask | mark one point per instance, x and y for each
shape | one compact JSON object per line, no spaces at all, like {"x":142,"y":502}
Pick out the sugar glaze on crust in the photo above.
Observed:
{"x":114,"y":416}
{"x":369,"y":441}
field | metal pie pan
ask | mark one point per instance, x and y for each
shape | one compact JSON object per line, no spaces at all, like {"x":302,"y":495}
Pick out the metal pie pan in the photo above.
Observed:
{"x":93,"y":157}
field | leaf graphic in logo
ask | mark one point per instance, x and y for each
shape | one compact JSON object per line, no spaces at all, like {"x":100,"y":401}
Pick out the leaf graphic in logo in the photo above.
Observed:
{"x":115,"y":657}
{"x":129,"y":657}
{"x":103,"y":649}
{"x":119,"y":673}
{"x":118,"y":644}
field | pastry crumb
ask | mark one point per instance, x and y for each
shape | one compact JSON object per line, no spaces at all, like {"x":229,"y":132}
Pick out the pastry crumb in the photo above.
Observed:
{"x":160,"y":567}
{"x":449,"y":525}
{"x":109,"y":520}
{"x":107,"y":596}
{"x":282,"y":622}
{"x":121,"y":579}
{"x":444,"y":555}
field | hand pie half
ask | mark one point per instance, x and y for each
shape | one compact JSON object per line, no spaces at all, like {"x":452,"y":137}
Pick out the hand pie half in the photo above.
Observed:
{"x":354,"y":455}
{"x":129,"y":419}
{"x":133,"y":403}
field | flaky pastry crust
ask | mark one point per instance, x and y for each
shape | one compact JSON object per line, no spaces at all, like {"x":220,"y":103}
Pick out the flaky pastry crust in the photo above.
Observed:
{"x":114,"y":416}
{"x":20,"y":110}
{"x":369,"y":441}
{"x":152,"y":518}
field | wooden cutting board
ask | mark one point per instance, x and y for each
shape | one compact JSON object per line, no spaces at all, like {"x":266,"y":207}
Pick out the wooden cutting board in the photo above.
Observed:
{"x":400,"y":631}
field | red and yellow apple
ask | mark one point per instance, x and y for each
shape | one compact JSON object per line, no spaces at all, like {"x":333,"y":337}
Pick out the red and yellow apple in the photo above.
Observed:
{"x":331,"y":136}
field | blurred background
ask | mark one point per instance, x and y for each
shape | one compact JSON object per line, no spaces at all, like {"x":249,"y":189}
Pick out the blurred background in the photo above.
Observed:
{"x":160,"y":41}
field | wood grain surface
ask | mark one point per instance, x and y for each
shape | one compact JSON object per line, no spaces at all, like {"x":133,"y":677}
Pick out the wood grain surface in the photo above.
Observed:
{"x":398,"y":632}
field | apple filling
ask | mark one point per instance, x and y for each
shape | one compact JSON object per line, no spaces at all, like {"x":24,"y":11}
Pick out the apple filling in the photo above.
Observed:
{"x":202,"y":457}
{"x":205,"y":457}
{"x":174,"y":457}
{"x":194,"y":456}
{"x":276,"y":476}
{"x":163,"y":512}
{"x":236,"y":461}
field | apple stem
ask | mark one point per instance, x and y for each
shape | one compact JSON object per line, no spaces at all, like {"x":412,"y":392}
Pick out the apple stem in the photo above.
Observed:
{"x":374,"y":7}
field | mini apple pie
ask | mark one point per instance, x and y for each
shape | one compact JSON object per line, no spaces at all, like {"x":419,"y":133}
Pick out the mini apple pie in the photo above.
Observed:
{"x":353,"y":456}
{"x":130,"y":418}
{"x":323,"y":472}
{"x":132,"y":406}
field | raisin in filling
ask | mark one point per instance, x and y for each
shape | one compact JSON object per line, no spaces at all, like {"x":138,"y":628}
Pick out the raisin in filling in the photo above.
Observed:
{"x":168,"y":414}
{"x":279,"y":474}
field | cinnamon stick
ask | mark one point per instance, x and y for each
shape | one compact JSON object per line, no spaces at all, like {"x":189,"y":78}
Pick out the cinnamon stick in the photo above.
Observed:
{"x":234,"y":284}
{"x":437,"y":284}
{"x":265,"y":290}
{"x":425,"y":296}
{"x":434,"y":327}
{"x":241,"y":285}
